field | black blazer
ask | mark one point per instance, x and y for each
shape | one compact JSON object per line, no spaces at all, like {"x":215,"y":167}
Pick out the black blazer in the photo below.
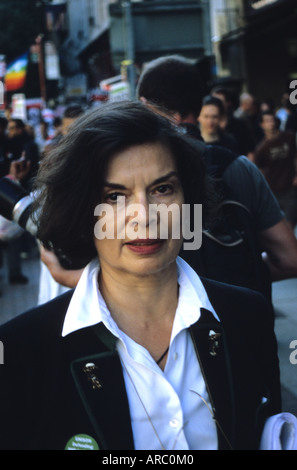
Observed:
{"x":47,"y":395}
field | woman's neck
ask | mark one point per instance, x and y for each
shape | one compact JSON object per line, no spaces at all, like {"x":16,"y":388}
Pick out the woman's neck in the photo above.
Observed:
{"x":143,"y":307}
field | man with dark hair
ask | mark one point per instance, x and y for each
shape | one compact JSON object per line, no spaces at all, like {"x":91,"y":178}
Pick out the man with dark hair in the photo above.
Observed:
{"x":211,"y":115}
{"x":71,"y":113}
{"x":232,"y":124}
{"x":180,"y":90}
{"x":21,"y":144}
{"x":274,"y":235}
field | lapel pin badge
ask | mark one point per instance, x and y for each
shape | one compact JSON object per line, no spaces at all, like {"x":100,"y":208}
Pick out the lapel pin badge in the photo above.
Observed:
{"x":214,"y":342}
{"x":90,"y":370}
{"x":81,"y":442}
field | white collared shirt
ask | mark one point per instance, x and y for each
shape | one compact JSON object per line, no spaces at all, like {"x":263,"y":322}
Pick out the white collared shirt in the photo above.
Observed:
{"x":166,"y":407}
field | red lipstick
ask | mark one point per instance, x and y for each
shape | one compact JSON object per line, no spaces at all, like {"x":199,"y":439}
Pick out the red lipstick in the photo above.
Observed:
{"x":145,"y":247}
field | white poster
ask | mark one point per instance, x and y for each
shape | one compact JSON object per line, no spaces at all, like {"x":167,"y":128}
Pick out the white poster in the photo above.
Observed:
{"x":19,"y":109}
{"x":52,"y":66}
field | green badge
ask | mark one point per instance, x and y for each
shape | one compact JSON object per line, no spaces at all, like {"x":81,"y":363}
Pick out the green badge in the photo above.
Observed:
{"x":81,"y":442}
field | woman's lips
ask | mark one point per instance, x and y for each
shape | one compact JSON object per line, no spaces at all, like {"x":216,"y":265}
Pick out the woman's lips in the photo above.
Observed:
{"x":144,"y":246}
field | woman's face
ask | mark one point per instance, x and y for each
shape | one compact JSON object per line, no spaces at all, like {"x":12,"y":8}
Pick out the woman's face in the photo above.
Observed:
{"x":130,"y":235}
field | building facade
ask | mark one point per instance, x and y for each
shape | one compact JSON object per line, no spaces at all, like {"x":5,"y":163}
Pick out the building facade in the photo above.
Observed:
{"x":256,"y":45}
{"x":85,"y":54}
{"x":104,"y":34}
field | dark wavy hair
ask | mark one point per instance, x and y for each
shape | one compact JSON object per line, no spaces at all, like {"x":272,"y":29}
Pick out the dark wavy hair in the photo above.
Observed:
{"x":70,"y":180}
{"x":173,"y":83}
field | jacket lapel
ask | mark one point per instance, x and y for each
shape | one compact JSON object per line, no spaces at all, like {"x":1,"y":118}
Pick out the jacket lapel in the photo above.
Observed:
{"x":209,"y":341}
{"x":100,"y":383}
{"x":104,"y":397}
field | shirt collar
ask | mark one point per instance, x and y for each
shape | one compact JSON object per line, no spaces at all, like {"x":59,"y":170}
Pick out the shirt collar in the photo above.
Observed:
{"x":87,"y":306}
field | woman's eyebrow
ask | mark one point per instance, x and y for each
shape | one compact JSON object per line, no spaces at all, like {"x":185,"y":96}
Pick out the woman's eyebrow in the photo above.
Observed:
{"x":109,"y":184}
{"x":165,"y":177}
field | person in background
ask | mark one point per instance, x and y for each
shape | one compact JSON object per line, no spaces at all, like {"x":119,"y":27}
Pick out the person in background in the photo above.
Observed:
{"x":211,"y":114}
{"x":249,"y":111}
{"x":276,"y":157}
{"x":42,"y":135}
{"x":22,"y":145}
{"x":232,"y":124}
{"x":144,"y":354}
{"x":71,"y":113}
{"x":57,"y":133}
{"x":4,"y":161}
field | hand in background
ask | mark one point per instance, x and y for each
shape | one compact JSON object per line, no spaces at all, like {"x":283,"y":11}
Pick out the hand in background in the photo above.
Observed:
{"x":65,"y":277}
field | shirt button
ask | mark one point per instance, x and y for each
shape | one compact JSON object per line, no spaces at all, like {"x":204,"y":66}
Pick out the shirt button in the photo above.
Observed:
{"x":175,"y":356}
{"x":174,"y":423}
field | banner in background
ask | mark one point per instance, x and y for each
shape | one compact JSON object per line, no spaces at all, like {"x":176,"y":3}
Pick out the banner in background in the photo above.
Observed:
{"x":16,"y":73}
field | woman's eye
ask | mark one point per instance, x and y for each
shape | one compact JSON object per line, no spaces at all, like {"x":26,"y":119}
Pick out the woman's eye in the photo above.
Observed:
{"x":164,"y":189}
{"x":113,"y":197}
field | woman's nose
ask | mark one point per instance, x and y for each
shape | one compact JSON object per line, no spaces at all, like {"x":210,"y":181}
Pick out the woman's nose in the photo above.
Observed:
{"x":138,"y":215}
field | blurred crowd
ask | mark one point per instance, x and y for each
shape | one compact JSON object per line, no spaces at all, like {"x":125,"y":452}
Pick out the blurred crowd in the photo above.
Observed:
{"x":263,"y":131}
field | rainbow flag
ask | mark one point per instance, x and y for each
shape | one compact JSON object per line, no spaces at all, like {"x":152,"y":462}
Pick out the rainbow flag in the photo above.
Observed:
{"x":16,"y":73}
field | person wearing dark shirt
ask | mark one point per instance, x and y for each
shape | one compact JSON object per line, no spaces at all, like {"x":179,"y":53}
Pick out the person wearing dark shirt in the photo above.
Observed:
{"x":231,"y":124}
{"x":212,"y":112}
{"x":249,"y":113}
{"x":276,"y":157}
{"x":21,"y":144}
